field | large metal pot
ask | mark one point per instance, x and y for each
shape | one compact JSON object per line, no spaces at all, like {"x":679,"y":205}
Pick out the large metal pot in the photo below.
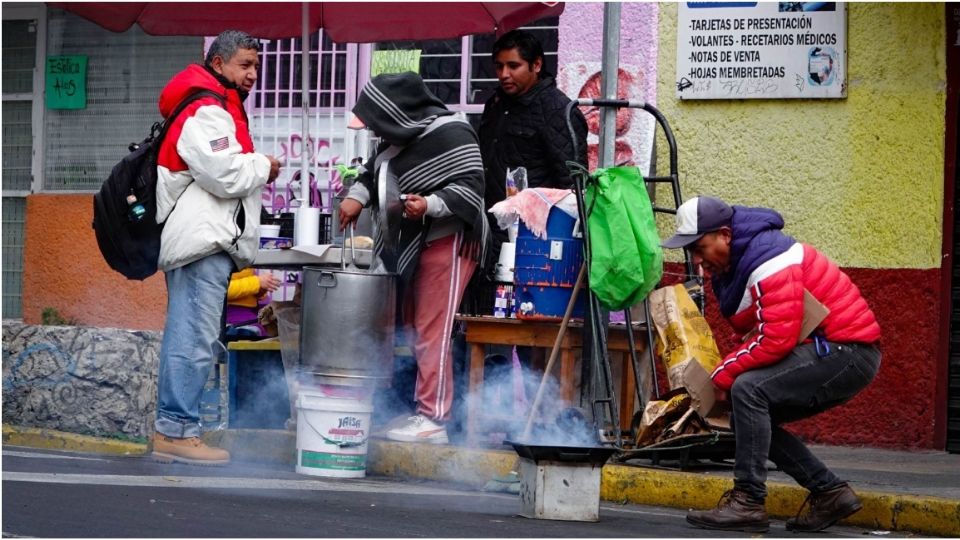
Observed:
{"x":347,"y":325}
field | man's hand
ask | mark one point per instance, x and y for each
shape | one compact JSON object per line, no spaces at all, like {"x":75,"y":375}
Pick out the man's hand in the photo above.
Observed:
{"x":274,"y":169}
{"x":349,"y":212}
{"x":268,"y":283}
{"x":414,"y":206}
{"x":720,"y":395}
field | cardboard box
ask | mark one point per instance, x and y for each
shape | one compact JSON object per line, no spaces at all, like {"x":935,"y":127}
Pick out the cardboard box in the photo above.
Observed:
{"x":813,"y":314}
{"x":698,"y":384}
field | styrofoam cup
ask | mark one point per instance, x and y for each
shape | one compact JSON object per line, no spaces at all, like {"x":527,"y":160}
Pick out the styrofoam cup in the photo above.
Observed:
{"x":504,"y":268}
{"x":512,"y":231}
{"x":269,"y":231}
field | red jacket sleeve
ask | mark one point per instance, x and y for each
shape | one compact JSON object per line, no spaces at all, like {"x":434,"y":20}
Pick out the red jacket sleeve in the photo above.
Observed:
{"x":778,"y":307}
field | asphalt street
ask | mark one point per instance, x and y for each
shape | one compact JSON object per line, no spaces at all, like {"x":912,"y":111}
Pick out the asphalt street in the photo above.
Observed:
{"x":62,"y":494}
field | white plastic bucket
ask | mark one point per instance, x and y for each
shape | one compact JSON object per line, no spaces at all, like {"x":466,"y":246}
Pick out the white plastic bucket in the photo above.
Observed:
{"x":332,"y":434}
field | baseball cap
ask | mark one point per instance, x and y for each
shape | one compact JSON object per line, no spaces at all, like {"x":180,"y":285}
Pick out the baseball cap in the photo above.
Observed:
{"x":697,"y":217}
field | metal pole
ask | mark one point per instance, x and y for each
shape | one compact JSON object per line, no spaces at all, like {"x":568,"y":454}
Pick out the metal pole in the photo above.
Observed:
{"x":608,"y":78}
{"x":305,"y":97}
{"x":608,"y":123}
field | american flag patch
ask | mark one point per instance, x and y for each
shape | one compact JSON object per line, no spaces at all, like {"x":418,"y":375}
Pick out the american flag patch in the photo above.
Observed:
{"x":219,"y":144}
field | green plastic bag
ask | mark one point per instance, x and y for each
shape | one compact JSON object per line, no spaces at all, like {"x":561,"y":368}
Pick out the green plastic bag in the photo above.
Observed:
{"x":627,"y":259}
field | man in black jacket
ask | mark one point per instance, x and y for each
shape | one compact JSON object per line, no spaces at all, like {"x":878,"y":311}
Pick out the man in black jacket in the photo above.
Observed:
{"x":523,"y":123}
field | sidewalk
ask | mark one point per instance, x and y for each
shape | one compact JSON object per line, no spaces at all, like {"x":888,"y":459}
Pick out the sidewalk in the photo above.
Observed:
{"x":901,"y":490}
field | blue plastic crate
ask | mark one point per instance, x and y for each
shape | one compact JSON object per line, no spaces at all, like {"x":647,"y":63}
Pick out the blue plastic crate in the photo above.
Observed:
{"x":546,"y":270}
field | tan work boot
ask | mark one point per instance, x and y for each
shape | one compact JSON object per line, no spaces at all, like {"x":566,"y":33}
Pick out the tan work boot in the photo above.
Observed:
{"x":191,"y":450}
{"x":826,"y":508}
{"x":734,"y":512}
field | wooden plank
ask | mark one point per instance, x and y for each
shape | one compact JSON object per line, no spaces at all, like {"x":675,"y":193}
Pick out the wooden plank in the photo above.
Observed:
{"x":476,"y":384}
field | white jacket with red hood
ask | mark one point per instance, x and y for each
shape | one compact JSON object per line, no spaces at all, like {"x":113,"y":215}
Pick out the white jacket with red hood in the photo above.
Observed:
{"x":206,"y":172}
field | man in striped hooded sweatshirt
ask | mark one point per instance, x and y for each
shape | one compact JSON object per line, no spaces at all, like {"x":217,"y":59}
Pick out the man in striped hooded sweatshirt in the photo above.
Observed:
{"x":433,"y":156}
{"x":759,"y":276}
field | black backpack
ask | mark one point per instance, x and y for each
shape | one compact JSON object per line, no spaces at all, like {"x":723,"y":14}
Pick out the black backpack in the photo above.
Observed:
{"x":127,"y":231}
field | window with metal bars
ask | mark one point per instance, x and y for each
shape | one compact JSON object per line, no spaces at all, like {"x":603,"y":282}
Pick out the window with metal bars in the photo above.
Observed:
{"x":275,"y":109}
{"x":17,"y":145}
{"x":125,"y":74}
{"x":460,"y":71}
{"x":14,"y":210}
{"x":279,"y":85}
{"x":19,"y":60}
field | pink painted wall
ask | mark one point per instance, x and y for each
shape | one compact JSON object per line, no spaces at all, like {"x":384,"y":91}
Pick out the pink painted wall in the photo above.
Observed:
{"x":579,"y":60}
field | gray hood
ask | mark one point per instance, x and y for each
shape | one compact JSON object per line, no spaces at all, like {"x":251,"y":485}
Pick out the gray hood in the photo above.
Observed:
{"x":398,"y":107}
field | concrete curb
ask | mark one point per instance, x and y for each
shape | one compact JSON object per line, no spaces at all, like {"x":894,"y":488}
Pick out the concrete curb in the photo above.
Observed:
{"x":684,"y":490}
{"x":654,"y":487}
{"x":59,"y":440}
{"x":473,"y":468}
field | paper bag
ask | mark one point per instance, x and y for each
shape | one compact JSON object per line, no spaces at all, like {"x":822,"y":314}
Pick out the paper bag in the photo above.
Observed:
{"x":659,"y":414}
{"x":685,"y":344}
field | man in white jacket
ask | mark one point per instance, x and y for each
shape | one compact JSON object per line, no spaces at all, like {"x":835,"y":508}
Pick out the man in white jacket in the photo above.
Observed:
{"x":208,"y":195}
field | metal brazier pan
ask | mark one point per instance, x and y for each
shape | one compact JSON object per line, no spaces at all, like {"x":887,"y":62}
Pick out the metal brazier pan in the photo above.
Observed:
{"x":597,"y":455}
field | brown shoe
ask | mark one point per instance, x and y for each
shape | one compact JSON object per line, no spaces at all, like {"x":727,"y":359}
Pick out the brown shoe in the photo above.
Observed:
{"x":734,"y":512}
{"x":826,"y":508}
{"x":191,"y":450}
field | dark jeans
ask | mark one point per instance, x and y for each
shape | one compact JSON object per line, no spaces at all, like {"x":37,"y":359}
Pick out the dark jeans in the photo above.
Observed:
{"x":799,"y":386}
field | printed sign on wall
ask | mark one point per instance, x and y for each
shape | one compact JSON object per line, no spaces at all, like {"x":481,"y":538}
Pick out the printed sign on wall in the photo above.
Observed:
{"x":66,"y":82}
{"x":394,"y":62}
{"x":761,"y":50}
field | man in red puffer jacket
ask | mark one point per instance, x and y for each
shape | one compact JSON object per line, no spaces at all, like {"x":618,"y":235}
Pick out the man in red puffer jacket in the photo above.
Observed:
{"x":759,"y":275}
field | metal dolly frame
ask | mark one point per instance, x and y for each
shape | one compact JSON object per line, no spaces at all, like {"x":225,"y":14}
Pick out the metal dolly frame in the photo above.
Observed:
{"x":600,"y":360}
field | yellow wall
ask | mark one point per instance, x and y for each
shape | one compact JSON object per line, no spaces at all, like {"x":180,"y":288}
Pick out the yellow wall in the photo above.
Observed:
{"x":861,"y":178}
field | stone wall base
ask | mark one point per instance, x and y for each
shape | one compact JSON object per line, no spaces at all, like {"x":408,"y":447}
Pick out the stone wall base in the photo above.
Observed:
{"x":92,"y":381}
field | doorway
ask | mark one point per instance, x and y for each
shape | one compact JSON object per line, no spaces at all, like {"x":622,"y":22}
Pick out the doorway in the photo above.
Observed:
{"x":952,"y":221}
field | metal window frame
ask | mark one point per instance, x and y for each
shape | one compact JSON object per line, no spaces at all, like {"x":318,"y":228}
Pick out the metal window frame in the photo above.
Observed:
{"x":36,"y":12}
{"x":467,"y":55}
{"x":350,"y":55}
{"x":285,"y":82}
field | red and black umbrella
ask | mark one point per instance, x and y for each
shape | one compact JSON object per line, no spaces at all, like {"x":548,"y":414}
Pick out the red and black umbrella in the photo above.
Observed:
{"x":343,"y":22}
